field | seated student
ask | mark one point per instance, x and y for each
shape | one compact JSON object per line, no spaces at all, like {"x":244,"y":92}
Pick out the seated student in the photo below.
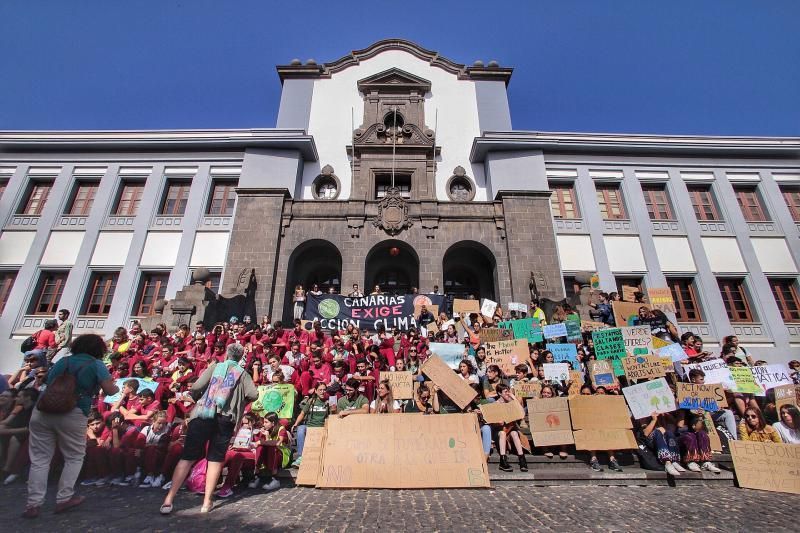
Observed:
{"x":241,"y":453}
{"x":490,"y":382}
{"x":508,"y":430}
{"x":789,"y":425}
{"x":182,"y":403}
{"x":425,"y":402}
{"x":125,"y":450}
{"x":272,"y":453}
{"x":352,"y":401}
{"x":141,"y":409}
{"x":594,"y":464}
{"x":96,"y":469}
{"x":467,"y":372}
{"x":154,"y":438}
{"x":662,"y":441}
{"x":520,"y":375}
{"x":549,"y":391}
{"x":385,"y":402}
{"x":174,"y":450}
{"x":698,"y":377}
{"x":754,"y":427}
{"x":314,"y":410}
{"x":696,"y":446}
{"x":479,"y":361}
{"x":14,"y":434}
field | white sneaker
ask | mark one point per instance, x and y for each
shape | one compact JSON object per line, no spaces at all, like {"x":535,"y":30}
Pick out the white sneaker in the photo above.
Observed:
{"x":694,"y":467}
{"x":10,"y":479}
{"x":711,"y":467}
{"x":678,"y":467}
{"x":147,"y":481}
{"x":102,"y":482}
{"x":671,"y":470}
{"x":273,"y":484}
{"x":120,"y":482}
{"x":88,"y":482}
{"x":157,"y":481}
{"x":254,"y":484}
{"x":167,"y":485}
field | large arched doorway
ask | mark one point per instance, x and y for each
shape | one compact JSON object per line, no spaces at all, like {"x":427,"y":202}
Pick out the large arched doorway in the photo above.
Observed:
{"x":313,"y":262}
{"x":470,"y":271}
{"x":394,"y":266}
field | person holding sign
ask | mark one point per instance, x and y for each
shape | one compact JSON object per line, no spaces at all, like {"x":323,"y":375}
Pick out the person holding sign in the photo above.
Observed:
{"x":505,"y":431}
{"x":385,"y":402}
{"x":313,"y":413}
{"x":594,"y":464}
{"x":696,"y":446}
{"x":548,"y":391}
{"x":424,"y":402}
{"x":754,"y":427}
{"x":663,"y":442}
{"x":491,"y":381}
{"x":789,"y":426}
{"x":698,"y":377}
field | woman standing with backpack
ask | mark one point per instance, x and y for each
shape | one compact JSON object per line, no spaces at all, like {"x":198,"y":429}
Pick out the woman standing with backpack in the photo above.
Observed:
{"x":60,"y":419}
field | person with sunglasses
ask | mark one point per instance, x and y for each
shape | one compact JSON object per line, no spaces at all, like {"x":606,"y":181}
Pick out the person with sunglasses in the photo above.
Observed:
{"x":754,"y":427}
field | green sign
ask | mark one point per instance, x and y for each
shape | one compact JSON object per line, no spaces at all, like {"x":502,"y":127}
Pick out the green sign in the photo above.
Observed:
{"x":525,"y":329}
{"x":574,"y":329}
{"x":610,"y":344}
{"x":277,"y":398}
{"x":745,"y":381}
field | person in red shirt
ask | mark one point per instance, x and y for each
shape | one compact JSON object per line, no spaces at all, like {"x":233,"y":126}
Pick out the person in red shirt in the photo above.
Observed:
{"x":298,"y":335}
{"x":140,"y":410}
{"x":96,"y":466}
{"x":318,"y":371}
{"x":45,"y":339}
{"x":125,"y":450}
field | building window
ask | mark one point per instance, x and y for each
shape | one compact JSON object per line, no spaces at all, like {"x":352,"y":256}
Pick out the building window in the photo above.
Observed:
{"x":705,"y":206}
{"x":213,"y":283}
{"x":129,"y":198}
{"x":571,"y":286}
{"x":785,"y":293}
{"x":152,"y":287}
{"x":48,"y":293}
{"x":734,"y":296}
{"x":563,"y":200}
{"x":751,"y":205}
{"x":609,"y":197}
{"x":384,"y":181}
{"x":223,"y":198}
{"x":100,"y":293}
{"x":82,"y":198}
{"x":176,"y":197}
{"x":791,"y":195}
{"x":687,"y":308}
{"x":6,"y":284}
{"x":3,"y":185}
{"x":657,"y":200}
{"x":633,"y":284}
{"x":37,"y":198}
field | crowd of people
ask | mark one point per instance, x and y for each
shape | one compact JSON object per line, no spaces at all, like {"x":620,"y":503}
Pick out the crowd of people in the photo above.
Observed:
{"x":164,"y":409}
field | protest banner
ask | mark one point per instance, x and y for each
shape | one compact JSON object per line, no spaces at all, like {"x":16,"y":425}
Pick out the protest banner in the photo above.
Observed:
{"x":590,"y":325}
{"x":661,"y":299}
{"x":563,"y":353}
{"x":643,"y":367}
{"x":517,"y":307}
{"x":743,"y":379}
{"x":674,"y":351}
{"x":576,"y":381}
{"x":649,"y":397}
{"x":716,"y":371}
{"x":466,"y":306}
{"x":770,"y":376}
{"x":403,"y":451}
{"x":502,"y":412}
{"x":601,"y":373}
{"x":275,"y":398}
{"x":524,"y":328}
{"x":766,"y":465}
{"x":610,"y":344}
{"x":453,"y":386}
{"x":638,"y":340}
{"x":626,"y":313}
{"x":556,"y":371}
{"x":601,"y":423}
{"x":709,"y":397}
{"x":335,"y":311}
{"x":495,"y":334}
{"x":549,"y":421}
{"x":629,"y":293}
{"x":527,"y":389}
{"x":143,"y":384}
{"x":451,"y":354}
{"x":554,"y":331}
{"x":574,"y":333}
{"x":488,"y":307}
{"x":786,"y":395}
{"x":507,"y":354}
{"x":312,"y":457}
{"x":402,"y":384}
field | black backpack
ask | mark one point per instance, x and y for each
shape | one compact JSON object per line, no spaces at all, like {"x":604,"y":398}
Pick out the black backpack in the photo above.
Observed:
{"x":647,"y":459}
{"x":29,"y":343}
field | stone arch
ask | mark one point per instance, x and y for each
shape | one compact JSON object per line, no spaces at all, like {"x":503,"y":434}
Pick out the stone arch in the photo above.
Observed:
{"x":313,"y":261}
{"x":469,"y":268}
{"x":395,"y":273}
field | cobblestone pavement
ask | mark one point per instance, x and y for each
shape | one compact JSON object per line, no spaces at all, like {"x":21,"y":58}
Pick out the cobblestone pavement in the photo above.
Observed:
{"x":559,"y":508}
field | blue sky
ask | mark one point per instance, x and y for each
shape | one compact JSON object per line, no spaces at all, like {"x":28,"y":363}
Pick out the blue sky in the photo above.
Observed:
{"x":697,"y":67}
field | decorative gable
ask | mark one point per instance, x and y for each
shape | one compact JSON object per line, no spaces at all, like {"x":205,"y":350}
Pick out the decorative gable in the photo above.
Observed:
{"x":394,"y":80}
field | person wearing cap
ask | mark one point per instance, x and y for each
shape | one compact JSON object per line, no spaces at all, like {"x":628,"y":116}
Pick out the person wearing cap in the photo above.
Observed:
{"x":222,"y":392}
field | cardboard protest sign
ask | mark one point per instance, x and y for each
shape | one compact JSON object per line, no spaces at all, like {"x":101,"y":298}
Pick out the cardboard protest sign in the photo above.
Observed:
{"x":403,"y":451}
{"x":626,"y":313}
{"x":638,"y":340}
{"x":453,"y":386}
{"x":659,"y":343}
{"x":430,"y":328}
{"x":744,"y":381}
{"x":502,"y":412}
{"x":451,"y":354}
{"x":713,"y":437}
{"x":766,"y":465}
{"x":312,"y":457}
{"x":601,"y":423}
{"x":604,"y":439}
{"x":590,"y":325}
{"x":649,"y":397}
{"x":466,"y":306}
{"x":674,"y":351}
{"x":488,"y":308}
{"x":661,"y":299}
{"x":402,"y":384}
{"x":601,"y":373}
{"x":549,"y":421}
{"x":666,"y":362}
{"x":716,"y":371}
{"x":563,"y":353}
{"x":573,"y":324}
{"x":709,"y":397}
{"x":610,"y":344}
{"x":507,"y":355}
{"x":771,"y":376}
{"x":643,"y":367}
{"x":556,"y":371}
{"x":143,"y":384}
{"x":527,"y":389}
{"x":786,"y":395}
{"x":554,"y":331}
{"x":576,"y":381}
{"x":629,"y":293}
{"x":495,"y":335}
{"x":518,"y":307}
{"x":275,"y":398}
{"x":524,"y":328}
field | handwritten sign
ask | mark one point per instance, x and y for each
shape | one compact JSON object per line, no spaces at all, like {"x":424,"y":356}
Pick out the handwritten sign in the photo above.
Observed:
{"x":495,"y":334}
{"x":638,"y":340}
{"x":786,"y":395}
{"x":601,"y":372}
{"x":661,"y":299}
{"x":771,"y":376}
{"x":517,"y":307}
{"x":649,"y":397}
{"x":275,"y":398}
{"x":549,"y":421}
{"x":610,"y":344}
{"x":502,"y":412}
{"x":573,"y":324}
{"x":643,"y":367}
{"x":312,"y":457}
{"x":524,"y":328}
{"x":527,"y":389}
{"x":488,"y":308}
{"x":674,"y":351}
{"x":629,"y":293}
{"x":590,"y":325}
{"x":403,"y":451}
{"x":627,"y":313}
{"x":743,"y":379}
{"x":556,"y":371}
{"x":507,"y":355}
{"x":767,"y":466}
{"x":466,"y":306}
{"x":576,"y":381}
{"x":716,"y":371}
{"x":402,"y":384}
{"x":707,"y":397}
{"x":563,"y":353}
{"x":554,"y":331}
{"x":453,"y":386}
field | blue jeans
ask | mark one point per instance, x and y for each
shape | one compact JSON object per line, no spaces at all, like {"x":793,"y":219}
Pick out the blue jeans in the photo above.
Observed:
{"x":486,"y":438}
{"x":728,"y":420}
{"x":301,"y":439}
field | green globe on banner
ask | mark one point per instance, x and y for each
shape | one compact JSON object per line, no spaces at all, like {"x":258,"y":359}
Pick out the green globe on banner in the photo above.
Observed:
{"x":329,"y":308}
{"x":272,"y":401}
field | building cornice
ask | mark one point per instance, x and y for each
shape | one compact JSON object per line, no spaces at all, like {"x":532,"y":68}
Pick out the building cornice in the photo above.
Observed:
{"x":510,"y":141}
{"x":311,"y":69}
{"x":279,"y":139}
